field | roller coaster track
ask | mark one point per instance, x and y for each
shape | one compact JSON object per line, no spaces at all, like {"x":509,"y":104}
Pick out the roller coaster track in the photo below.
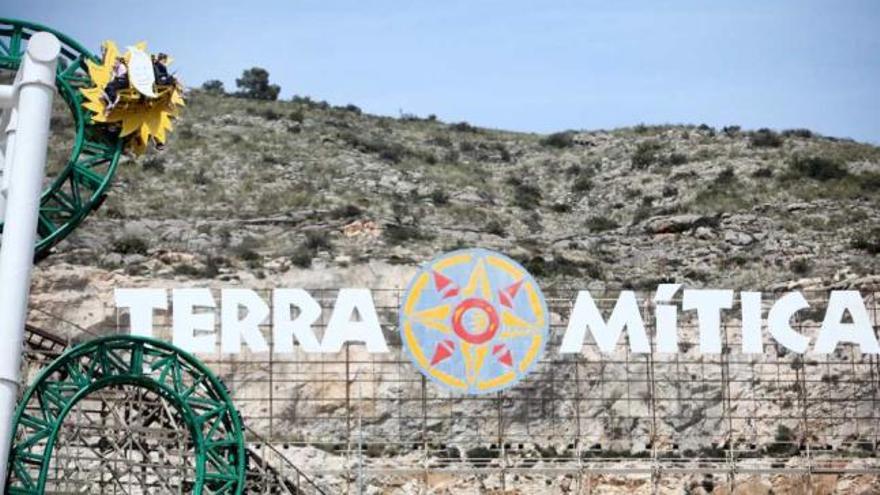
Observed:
{"x":277,"y":476}
{"x":119,"y":373}
{"x":81,"y":185}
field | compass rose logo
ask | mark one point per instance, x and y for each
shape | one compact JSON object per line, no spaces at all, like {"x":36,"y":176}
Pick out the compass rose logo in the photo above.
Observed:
{"x":474,"y":321}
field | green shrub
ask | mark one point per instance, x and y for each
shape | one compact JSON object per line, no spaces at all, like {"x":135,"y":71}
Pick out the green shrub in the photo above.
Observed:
{"x":463,"y":127}
{"x":675,"y":159}
{"x":317,"y":241}
{"x":644,"y":211}
{"x":186,"y":132}
{"x":731,"y":130}
{"x":560,"y":266}
{"x":304,"y":253}
{"x":346,"y":211}
{"x":646,"y":154}
{"x":765,"y":138}
{"x":200,"y":177}
{"x":441,"y":140}
{"x":726,"y":177}
{"x":869,"y":181}
{"x":558,"y":140}
{"x":297,"y":116}
{"x":302,"y":257}
{"x":800,"y":133}
{"x":722,"y":194}
{"x":254,"y":83}
{"x":800,"y":266}
{"x":392,"y":152}
{"x":818,"y":168}
{"x":396,"y":233}
{"x":187,"y":270}
{"x":504,"y":152}
{"x":429,"y":158}
{"x":451,"y":156}
{"x":867,"y":240}
{"x":154,"y":163}
{"x":784,"y":442}
{"x":763,"y":173}
{"x":495,"y":227}
{"x":252,"y":258}
{"x":527,"y":196}
{"x":480,"y":456}
{"x":513,"y":180}
{"x":574,"y":170}
{"x":600,"y":223}
{"x":130,"y":244}
{"x":582,"y":184}
{"x":212,"y":266}
{"x":439,"y":197}
{"x":269,"y":114}
{"x":213,"y":86}
{"x":706,"y":128}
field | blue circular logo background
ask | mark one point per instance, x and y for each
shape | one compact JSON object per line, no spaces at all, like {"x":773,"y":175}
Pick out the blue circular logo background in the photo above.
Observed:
{"x":474,"y":321}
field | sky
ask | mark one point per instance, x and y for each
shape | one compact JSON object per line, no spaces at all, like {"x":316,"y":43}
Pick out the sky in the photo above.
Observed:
{"x":539,"y":66}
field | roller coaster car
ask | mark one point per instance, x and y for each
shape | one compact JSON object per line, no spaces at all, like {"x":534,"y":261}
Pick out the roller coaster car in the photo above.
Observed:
{"x":144,"y":110}
{"x":130,"y":99}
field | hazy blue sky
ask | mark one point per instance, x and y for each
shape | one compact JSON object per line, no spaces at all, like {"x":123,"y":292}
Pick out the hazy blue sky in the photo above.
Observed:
{"x":525,"y":65}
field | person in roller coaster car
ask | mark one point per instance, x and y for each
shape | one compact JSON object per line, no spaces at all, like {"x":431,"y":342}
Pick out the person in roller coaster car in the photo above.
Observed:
{"x":118,"y":82}
{"x":160,"y":70}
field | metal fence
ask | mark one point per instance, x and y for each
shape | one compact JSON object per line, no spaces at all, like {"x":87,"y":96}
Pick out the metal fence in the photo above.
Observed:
{"x":354,"y":419}
{"x":353,"y":416}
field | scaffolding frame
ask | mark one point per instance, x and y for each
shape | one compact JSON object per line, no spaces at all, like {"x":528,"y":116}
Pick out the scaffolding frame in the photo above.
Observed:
{"x":352,"y":417}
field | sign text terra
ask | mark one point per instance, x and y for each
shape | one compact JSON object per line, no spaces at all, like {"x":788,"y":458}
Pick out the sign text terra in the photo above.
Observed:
{"x":294,"y":314}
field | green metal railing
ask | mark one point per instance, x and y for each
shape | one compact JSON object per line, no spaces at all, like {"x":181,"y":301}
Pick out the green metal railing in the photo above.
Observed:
{"x":199,"y":398}
{"x":82,"y":184}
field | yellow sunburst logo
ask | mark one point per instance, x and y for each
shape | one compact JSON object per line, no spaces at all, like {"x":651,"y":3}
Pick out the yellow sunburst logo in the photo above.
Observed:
{"x":143,"y":114}
{"x":474,"y":321}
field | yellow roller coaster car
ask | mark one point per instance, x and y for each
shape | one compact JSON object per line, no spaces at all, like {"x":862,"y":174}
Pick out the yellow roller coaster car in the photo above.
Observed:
{"x":142,"y":108}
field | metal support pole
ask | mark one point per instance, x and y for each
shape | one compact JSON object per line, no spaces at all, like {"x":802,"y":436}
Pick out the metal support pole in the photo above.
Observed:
{"x":11,"y":125}
{"x":34,"y":92}
{"x":7,"y":96}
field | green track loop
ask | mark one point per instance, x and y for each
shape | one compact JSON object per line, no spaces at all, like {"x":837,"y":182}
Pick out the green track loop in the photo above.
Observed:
{"x":82,"y":185}
{"x":183,"y":381}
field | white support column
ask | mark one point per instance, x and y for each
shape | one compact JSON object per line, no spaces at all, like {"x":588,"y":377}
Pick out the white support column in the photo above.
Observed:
{"x":8,"y":125}
{"x":6,"y":164}
{"x":33,"y":94}
{"x":7,"y":94}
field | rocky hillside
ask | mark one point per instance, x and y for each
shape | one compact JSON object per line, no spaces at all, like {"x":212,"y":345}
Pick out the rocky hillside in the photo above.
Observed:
{"x":303,"y":194}
{"x":256,"y":188}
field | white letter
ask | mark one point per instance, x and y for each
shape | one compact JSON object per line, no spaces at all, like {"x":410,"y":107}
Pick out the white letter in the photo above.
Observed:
{"x":234,"y":329}
{"x":186,"y":322}
{"x":667,"y":318}
{"x":752,"y":338}
{"x":341,"y":329}
{"x":140,"y":304}
{"x":625,"y":315}
{"x":284,"y":328}
{"x":834,"y":330}
{"x":708,"y":304}
{"x":778,"y":321}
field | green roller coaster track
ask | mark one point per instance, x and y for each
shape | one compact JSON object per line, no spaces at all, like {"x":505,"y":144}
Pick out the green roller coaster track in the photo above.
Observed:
{"x":82,"y":184}
{"x":199,"y":398}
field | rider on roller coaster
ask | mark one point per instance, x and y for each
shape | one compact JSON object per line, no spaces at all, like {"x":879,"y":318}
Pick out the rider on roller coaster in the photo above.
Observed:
{"x":119,"y":82}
